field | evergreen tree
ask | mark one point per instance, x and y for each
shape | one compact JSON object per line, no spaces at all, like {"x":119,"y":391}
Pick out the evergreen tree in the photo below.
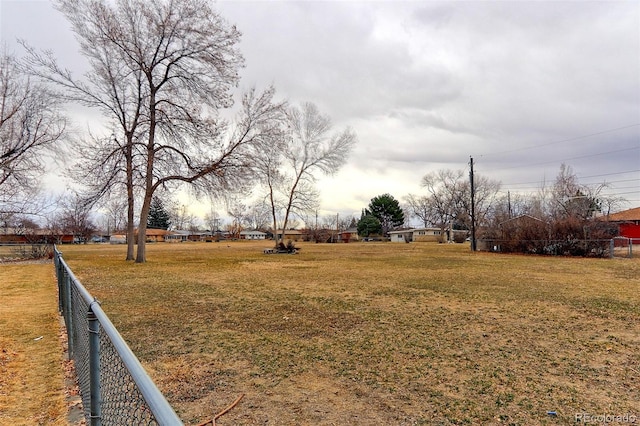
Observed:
{"x":368,"y":225}
{"x":158,"y":215}
{"x":387,"y":210}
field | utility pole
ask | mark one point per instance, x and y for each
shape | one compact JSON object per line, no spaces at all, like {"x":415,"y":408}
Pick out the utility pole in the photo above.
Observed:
{"x":473,"y":207}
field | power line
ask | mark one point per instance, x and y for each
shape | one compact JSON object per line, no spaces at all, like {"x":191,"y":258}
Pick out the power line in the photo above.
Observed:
{"x":610,"y":174}
{"x":562,"y":140}
{"x":537,"y":182}
{"x":569,"y":159}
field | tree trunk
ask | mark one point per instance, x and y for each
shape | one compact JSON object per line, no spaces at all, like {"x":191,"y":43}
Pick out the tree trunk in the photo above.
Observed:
{"x":141,"y":256}
{"x":130,"y":199}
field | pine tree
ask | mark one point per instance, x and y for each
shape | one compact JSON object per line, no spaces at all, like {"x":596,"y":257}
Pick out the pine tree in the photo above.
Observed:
{"x":158,"y":216}
{"x":387,"y":210}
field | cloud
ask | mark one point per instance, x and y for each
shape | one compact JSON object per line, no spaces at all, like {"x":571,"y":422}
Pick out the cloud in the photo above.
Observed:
{"x":521,"y":86}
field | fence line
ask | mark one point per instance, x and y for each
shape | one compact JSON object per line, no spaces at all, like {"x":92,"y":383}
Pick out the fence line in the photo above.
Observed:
{"x":614,"y":247}
{"x":114,"y":387}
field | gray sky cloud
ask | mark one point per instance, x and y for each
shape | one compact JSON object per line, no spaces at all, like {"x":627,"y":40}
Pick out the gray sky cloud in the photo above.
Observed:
{"x":522,"y":86}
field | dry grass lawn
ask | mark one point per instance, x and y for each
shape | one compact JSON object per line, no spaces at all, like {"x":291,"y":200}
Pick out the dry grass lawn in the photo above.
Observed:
{"x":374,"y":333}
{"x":31,"y":365}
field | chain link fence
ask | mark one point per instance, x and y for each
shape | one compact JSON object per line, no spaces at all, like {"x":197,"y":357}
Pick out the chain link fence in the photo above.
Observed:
{"x":114,"y":387}
{"x":614,"y":247}
{"x":624,"y":247}
{"x":19,"y":252}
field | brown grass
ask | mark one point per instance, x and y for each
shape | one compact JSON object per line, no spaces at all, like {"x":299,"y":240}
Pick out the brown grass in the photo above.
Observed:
{"x":31,"y":366}
{"x":375,"y":333}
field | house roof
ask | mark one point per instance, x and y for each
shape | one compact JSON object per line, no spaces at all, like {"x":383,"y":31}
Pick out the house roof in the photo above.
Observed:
{"x":155,"y":232}
{"x":521,"y":218}
{"x":289,"y":231}
{"x":402,"y":231}
{"x":631,"y":214}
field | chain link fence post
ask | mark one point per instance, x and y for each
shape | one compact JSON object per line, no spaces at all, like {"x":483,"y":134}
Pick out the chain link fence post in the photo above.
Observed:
{"x":94,"y":367}
{"x":612,"y":247}
{"x":68,"y":312}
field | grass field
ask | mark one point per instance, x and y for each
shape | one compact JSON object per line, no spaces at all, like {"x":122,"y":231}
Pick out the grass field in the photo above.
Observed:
{"x":31,"y":365}
{"x":375,"y":333}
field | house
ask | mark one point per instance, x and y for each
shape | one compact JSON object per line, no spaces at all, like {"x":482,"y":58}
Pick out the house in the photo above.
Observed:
{"x":156,"y":235}
{"x":430,"y":234}
{"x":200,"y":236}
{"x":403,"y":236}
{"x":252,"y":235}
{"x":437,"y":235}
{"x":173,"y":236}
{"x":628,"y":222}
{"x":350,"y":234}
{"x":118,"y":238}
{"x":153,"y":236}
{"x":35,"y":236}
{"x":518,"y":225}
{"x":289,"y":234}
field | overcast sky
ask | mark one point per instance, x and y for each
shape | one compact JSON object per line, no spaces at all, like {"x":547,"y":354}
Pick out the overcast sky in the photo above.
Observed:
{"x":522,"y":86}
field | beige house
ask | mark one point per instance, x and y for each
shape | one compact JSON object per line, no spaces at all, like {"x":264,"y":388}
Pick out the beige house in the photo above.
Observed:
{"x":289,"y":234}
{"x":435,"y":235}
{"x":430,"y":235}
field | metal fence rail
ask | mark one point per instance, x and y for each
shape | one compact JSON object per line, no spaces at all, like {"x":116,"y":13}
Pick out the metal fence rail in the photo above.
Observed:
{"x":114,"y":387}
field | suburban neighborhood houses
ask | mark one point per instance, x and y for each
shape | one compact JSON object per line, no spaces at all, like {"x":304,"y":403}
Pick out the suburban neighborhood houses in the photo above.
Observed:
{"x":526,"y":232}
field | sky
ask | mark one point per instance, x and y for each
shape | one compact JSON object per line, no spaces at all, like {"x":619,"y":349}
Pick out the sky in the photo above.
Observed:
{"x":520,"y":86}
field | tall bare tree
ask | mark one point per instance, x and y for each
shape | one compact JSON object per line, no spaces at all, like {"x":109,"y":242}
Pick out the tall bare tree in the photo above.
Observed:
{"x":257,"y":215}
{"x":30,"y":124}
{"x":179,"y":62}
{"x":115,"y":217}
{"x":212,"y":220}
{"x":75,"y":218}
{"x":420,"y":207}
{"x":446,"y":192}
{"x":106,"y":163}
{"x":289,"y":173}
{"x":449,"y":198}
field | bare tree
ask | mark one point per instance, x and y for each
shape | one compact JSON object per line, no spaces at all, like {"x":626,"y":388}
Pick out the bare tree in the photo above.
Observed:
{"x":236,"y":209}
{"x":212,"y":220}
{"x":257,"y":215}
{"x":106,"y":163}
{"x":30,"y":124}
{"x":180,"y":216}
{"x":75,"y":218}
{"x":115,"y":214}
{"x":289,"y":172}
{"x":420,"y":207}
{"x":486,"y":195}
{"x":178,"y":61}
{"x":570,"y":198}
{"x":446,"y":192}
{"x":449,"y":199}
